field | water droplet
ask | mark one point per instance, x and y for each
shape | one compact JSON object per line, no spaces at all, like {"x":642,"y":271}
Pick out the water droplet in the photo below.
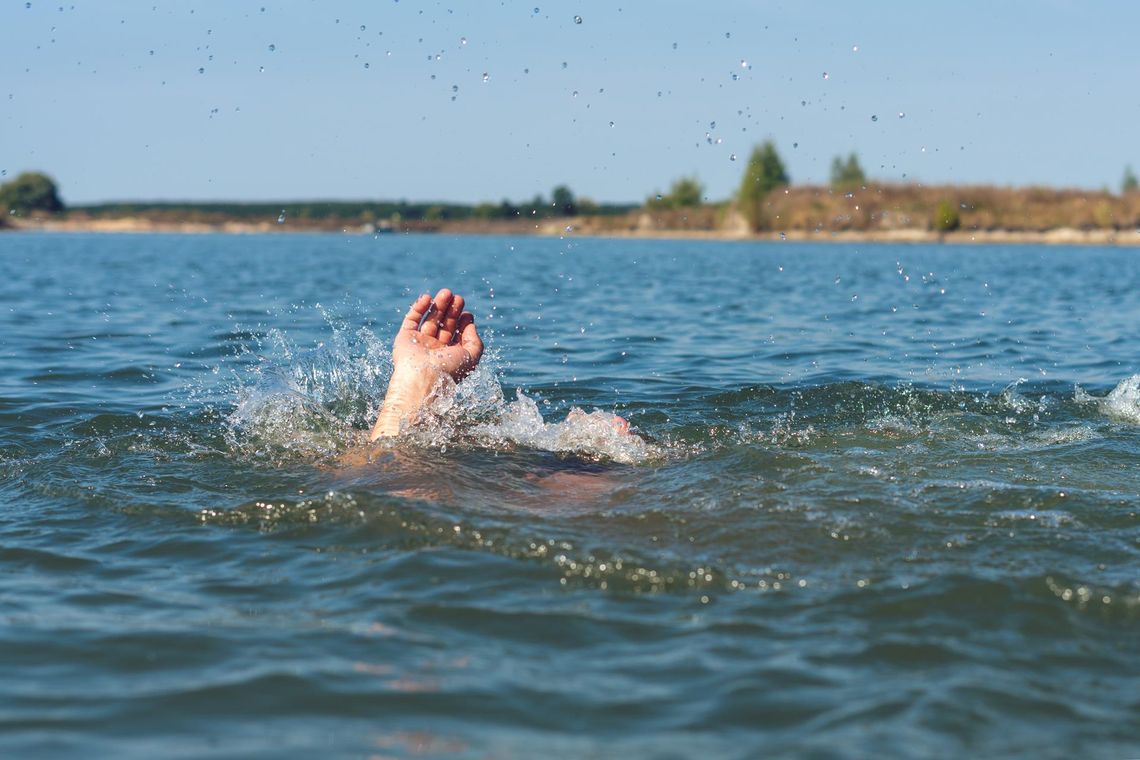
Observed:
{"x":743,"y":63}
{"x":281,"y":219}
{"x":363,"y":27}
{"x":462,"y":41}
{"x":902,"y":114}
{"x":260,"y":69}
{"x":536,"y":10}
{"x":826,"y":75}
{"x":854,"y":48}
{"x":874,"y":117}
{"x":367,"y":65}
{"x":674,"y":45}
{"x":272,"y":48}
{"x":574,"y":94}
{"x":27,"y":5}
{"x":455,"y":88}
{"x":658,"y":196}
{"x":732,"y":157}
{"x":728,"y":35}
{"x":201,"y":70}
{"x":795,"y":145}
{"x":577,"y":19}
{"x":486,"y":76}
{"x":564,"y":64}
{"x":611,"y":125}
{"x":783,"y":236}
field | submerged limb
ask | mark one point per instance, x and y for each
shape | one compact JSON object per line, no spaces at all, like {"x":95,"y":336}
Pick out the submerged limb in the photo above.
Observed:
{"x":436,"y":343}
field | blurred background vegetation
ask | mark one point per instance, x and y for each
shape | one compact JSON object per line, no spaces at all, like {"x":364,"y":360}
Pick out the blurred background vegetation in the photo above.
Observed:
{"x":766,"y":201}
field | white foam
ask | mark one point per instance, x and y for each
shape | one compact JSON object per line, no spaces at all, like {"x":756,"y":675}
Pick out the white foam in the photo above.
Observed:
{"x":590,"y":434}
{"x":1123,"y":402}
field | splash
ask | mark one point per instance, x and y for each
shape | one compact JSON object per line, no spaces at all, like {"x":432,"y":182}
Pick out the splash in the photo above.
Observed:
{"x":1121,"y":404}
{"x":315,"y":404}
{"x":594,"y":435}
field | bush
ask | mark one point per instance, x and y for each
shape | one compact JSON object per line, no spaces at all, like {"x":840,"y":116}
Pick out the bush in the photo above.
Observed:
{"x":946,"y":217}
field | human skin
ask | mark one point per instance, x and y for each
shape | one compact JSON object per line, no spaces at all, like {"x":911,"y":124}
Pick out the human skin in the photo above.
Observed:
{"x":437,"y":341}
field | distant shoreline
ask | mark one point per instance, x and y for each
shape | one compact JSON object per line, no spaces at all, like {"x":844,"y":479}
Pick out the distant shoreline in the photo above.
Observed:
{"x":582,"y":227}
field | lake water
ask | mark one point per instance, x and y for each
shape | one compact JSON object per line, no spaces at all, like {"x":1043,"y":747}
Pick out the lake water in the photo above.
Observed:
{"x":885,"y":502}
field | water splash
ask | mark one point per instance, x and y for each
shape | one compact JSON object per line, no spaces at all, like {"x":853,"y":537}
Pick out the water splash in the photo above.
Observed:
{"x":317,"y":403}
{"x":1122,"y":403}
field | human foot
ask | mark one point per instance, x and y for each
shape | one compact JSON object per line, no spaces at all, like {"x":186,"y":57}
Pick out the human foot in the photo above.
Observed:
{"x":437,"y":339}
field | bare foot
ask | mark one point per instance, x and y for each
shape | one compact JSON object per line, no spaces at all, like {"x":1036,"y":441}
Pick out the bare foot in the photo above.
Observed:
{"x":437,"y":339}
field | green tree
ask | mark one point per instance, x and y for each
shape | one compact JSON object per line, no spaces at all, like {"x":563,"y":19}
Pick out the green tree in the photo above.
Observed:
{"x":30,"y":191}
{"x":764,"y":173}
{"x":946,"y":217}
{"x":685,"y":192}
{"x":1129,"y":184}
{"x":847,"y":175}
{"x":563,"y":201}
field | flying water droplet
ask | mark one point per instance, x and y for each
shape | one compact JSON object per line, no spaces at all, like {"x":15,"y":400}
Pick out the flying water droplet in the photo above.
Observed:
{"x":577,"y":19}
{"x":486,"y":77}
{"x":826,"y":75}
{"x":201,"y":70}
{"x":611,"y":125}
{"x":367,"y":65}
{"x":455,"y":88}
{"x":272,"y":47}
{"x":854,"y":48}
{"x":874,"y":117}
{"x":565,"y":64}
{"x":260,"y":69}
{"x":902,"y":114}
{"x":536,"y":10}
{"x":732,"y":157}
{"x":363,"y":27}
{"x":743,"y":63}
{"x":281,"y":218}
{"x":462,"y":41}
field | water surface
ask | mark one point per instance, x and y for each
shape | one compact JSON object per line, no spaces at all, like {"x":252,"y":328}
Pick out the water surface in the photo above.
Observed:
{"x":885,"y":504}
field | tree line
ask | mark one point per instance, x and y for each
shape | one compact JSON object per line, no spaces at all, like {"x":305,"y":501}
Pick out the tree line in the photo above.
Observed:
{"x":36,"y":194}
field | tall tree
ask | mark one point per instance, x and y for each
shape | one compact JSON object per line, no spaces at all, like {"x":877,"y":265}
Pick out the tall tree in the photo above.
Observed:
{"x":764,"y":173}
{"x":30,"y":191}
{"x":1129,"y":184}
{"x":563,"y":201}
{"x":847,"y":175}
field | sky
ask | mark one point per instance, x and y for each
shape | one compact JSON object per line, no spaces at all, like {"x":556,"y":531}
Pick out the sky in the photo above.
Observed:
{"x":481,"y":101}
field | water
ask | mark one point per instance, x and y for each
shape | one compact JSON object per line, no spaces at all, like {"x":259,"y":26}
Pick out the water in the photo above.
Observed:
{"x":885,"y":504}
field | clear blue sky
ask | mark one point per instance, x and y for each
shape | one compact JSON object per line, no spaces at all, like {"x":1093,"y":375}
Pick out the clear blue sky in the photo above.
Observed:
{"x":387,"y":99}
